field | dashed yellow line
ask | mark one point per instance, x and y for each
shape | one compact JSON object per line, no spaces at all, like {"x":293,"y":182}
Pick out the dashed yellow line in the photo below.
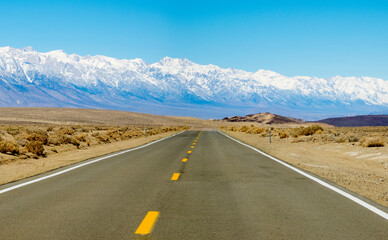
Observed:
{"x":147,"y":225}
{"x":184,"y":160}
{"x":188,"y":151}
{"x":192,"y":147}
{"x":175,"y":176}
{"x":194,"y":143}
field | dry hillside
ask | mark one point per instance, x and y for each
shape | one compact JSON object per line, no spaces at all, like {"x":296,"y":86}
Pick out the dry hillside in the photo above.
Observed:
{"x":78,"y":116}
{"x":265,"y":118}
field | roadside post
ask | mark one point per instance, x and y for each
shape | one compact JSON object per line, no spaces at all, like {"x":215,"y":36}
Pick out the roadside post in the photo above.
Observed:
{"x":269,"y":131}
{"x":145,"y":132}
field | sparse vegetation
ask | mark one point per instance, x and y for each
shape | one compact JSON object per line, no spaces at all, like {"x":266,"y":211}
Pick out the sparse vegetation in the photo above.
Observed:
{"x":35,"y":147}
{"x":364,"y":136}
{"x":354,"y":157}
{"x":306,"y":131}
{"x":33,"y":141}
{"x":373,"y":142}
{"x":9,"y":147}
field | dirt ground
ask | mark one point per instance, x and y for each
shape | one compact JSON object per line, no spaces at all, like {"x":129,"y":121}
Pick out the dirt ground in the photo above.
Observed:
{"x":359,"y":169}
{"x":22,"y":168}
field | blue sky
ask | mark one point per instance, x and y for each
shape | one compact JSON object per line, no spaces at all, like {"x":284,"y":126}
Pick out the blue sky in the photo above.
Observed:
{"x":315,"y":38}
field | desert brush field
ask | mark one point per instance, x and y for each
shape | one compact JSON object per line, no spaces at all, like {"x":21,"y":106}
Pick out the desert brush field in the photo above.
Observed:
{"x":27,"y":150}
{"x":355,"y":158}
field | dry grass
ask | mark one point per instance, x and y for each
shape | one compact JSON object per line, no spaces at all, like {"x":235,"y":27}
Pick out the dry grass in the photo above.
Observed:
{"x":36,"y":141}
{"x":363,"y":136}
{"x":355,"y":158}
{"x":9,"y":147}
{"x":373,"y":142}
{"x":60,"y":156}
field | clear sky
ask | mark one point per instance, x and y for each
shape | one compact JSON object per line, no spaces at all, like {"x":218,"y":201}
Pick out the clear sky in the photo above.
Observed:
{"x":311,"y":37}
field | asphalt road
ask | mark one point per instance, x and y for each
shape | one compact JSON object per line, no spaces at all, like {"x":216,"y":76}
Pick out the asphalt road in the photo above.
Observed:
{"x":224,"y":191}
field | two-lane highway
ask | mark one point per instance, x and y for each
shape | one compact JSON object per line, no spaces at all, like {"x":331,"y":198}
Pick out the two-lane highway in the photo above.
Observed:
{"x":223,"y":190}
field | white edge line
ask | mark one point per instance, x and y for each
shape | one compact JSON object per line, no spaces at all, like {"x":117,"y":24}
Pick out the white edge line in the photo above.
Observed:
{"x":83,"y":164}
{"x":345,"y":194}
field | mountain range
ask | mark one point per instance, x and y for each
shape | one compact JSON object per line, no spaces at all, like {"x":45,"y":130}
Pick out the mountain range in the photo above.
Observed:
{"x":175,"y":86}
{"x":358,"y":121}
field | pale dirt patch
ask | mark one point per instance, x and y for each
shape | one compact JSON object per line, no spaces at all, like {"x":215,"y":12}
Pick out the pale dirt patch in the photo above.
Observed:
{"x":16,"y":170}
{"x":352,"y":154}
{"x":369,"y":155}
{"x":337,"y":162}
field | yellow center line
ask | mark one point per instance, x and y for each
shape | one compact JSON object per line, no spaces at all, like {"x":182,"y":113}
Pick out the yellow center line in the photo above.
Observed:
{"x":188,"y":151}
{"x":147,"y":225}
{"x":184,"y":160}
{"x":194,"y":143}
{"x":175,"y":176}
{"x":192,"y":147}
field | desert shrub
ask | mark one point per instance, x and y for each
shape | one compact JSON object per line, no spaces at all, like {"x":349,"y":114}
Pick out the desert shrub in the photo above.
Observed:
{"x":66,"y":139}
{"x":372,"y":142}
{"x":306,"y":131}
{"x":113,"y":135}
{"x":54,"y":140}
{"x":38,"y":137}
{"x":243,"y":128}
{"x":264,"y":134}
{"x":75,"y":142}
{"x":319,"y":131}
{"x":35,"y":147}
{"x":284,"y":134}
{"x":81,"y":137}
{"x":353,"y":138}
{"x":233,"y":129}
{"x":328,"y":138}
{"x":257,"y":130}
{"x":101,"y":137}
{"x":66,"y":131}
{"x":340,"y":139}
{"x":9,"y":147}
{"x":127,"y":135}
{"x":14,"y":130}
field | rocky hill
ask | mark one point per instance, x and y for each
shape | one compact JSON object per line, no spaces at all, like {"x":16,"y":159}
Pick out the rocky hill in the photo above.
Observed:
{"x":265,"y":118}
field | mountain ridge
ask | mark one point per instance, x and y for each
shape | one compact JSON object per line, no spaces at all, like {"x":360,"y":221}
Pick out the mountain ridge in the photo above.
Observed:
{"x":357,"y":121}
{"x":177,"y":87}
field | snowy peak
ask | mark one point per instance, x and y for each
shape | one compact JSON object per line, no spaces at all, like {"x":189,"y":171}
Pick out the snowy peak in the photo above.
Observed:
{"x":175,"y":62}
{"x":180,"y":81}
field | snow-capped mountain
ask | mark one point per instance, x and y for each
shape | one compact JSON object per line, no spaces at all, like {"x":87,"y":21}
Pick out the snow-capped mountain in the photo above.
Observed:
{"x":178,"y":87}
